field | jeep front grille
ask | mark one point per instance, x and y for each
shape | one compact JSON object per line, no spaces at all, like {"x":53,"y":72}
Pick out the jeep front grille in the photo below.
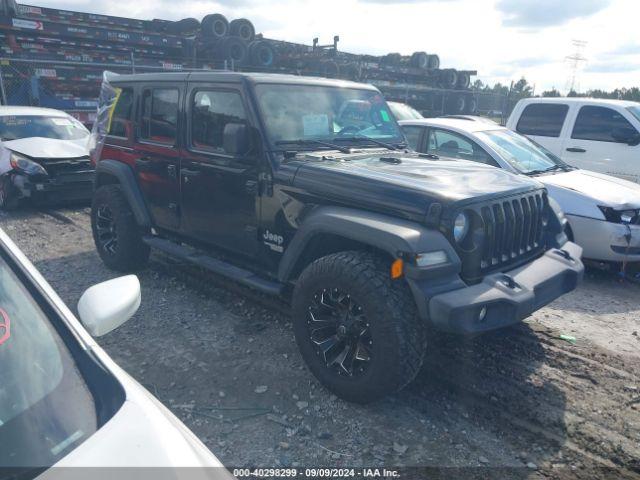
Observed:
{"x":512,"y":232}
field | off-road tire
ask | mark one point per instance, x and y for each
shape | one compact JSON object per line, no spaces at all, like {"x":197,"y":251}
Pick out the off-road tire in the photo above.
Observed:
{"x":131,"y":253}
{"x":398,"y":335}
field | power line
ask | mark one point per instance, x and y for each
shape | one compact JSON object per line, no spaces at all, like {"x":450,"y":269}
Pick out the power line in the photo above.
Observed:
{"x":575,"y":61}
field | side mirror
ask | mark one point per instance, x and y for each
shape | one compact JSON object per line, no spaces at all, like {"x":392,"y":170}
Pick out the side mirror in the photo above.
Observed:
{"x":626,"y":135}
{"x":236,"y":139}
{"x":106,"y":306}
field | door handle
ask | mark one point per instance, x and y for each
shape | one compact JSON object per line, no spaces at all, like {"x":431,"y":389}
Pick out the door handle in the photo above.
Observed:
{"x":576,"y":150}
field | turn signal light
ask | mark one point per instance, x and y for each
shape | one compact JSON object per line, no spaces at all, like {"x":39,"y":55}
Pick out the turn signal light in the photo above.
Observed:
{"x":397,"y":268}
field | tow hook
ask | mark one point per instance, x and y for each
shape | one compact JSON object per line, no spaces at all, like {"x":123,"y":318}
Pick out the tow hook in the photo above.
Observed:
{"x":564,"y":254}
{"x":510,"y":283}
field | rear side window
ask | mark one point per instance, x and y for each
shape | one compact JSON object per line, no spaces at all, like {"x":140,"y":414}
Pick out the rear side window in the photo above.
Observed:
{"x":159,"y":115}
{"x":542,"y":119}
{"x":599,"y":124}
{"x":211,"y":112}
{"x":412,"y":135}
{"x":122,"y":113}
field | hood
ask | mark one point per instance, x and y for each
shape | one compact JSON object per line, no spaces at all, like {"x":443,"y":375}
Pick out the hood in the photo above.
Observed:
{"x":40,"y":147}
{"x":143,"y":433}
{"x":411,"y":184}
{"x":604,"y":189}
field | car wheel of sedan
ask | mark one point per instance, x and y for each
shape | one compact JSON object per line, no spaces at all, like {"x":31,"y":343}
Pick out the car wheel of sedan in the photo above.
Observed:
{"x":357,"y":329}
{"x":116,"y":234}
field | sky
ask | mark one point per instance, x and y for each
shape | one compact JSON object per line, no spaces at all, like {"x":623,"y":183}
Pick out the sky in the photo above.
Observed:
{"x":502,"y":39}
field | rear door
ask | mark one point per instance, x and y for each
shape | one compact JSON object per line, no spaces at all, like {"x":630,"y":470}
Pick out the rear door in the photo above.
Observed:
{"x":157,"y":153}
{"x":545,"y":123}
{"x":592,"y":143}
{"x":220,"y":198}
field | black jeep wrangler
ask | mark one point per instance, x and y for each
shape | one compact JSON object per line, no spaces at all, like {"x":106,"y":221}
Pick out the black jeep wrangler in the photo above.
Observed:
{"x":305,"y":188}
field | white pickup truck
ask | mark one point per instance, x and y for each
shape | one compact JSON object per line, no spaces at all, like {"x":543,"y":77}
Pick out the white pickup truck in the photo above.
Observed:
{"x":594,"y":134}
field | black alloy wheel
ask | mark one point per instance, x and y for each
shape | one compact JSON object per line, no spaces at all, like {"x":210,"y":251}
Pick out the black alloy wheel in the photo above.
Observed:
{"x":340,"y":332}
{"x":107,"y":235}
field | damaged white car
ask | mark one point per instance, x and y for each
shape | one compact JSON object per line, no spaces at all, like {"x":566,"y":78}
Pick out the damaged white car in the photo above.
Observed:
{"x":603,"y":212}
{"x":65,"y":403}
{"x":43,"y":157}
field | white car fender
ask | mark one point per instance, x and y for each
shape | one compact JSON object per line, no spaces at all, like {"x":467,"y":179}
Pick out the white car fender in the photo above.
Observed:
{"x":574,"y":203}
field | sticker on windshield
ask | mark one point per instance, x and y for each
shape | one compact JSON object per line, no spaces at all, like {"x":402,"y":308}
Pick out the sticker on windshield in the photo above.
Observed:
{"x":384,"y":115}
{"x":62,"y":122}
{"x":5,"y":326}
{"x":315,"y":125}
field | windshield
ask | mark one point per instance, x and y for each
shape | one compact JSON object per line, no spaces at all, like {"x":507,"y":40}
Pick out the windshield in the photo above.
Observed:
{"x":635,"y":111}
{"x":14,"y":127}
{"x":404,"y":112}
{"x":39,"y":382}
{"x":299,"y":113}
{"x":521,"y":153}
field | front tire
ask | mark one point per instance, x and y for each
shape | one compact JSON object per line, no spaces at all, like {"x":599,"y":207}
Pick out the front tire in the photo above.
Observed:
{"x":356,"y":328}
{"x":116,"y":234}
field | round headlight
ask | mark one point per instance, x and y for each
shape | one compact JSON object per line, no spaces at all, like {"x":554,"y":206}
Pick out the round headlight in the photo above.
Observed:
{"x":460,"y":227}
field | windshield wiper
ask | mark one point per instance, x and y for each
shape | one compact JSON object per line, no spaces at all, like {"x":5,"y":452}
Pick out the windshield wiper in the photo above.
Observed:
{"x":386,"y":145}
{"x":310,"y":141}
{"x":546,"y":170}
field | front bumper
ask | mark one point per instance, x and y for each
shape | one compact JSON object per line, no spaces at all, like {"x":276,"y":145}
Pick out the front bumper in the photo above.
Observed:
{"x":508,"y":297}
{"x":70,"y":186}
{"x":606,"y":241}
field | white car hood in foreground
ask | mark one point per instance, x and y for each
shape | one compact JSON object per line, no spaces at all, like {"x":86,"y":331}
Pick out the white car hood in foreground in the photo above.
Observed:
{"x":40,"y":147}
{"x":603,"y":190}
{"x":143,"y":433}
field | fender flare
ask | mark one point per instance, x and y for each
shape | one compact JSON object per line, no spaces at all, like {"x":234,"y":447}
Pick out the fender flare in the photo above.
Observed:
{"x":393,"y":235}
{"x":127,"y":181}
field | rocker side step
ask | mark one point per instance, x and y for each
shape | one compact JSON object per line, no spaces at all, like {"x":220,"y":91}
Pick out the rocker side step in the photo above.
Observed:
{"x":215,"y":265}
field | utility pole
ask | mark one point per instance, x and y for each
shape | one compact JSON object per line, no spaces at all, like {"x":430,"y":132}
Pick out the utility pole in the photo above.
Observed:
{"x":575,"y":60}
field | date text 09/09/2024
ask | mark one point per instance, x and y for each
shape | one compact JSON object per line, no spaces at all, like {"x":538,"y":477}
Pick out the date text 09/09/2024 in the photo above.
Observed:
{"x":315,"y":473}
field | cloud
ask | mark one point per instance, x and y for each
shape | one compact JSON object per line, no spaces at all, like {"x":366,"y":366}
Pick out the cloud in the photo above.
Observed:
{"x":390,"y":2}
{"x":628,"y":49}
{"x":613,"y":67}
{"x":545,"y":13}
{"x":530,"y":62}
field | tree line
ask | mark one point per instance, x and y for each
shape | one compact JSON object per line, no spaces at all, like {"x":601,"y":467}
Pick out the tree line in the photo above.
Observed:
{"x":523,"y":89}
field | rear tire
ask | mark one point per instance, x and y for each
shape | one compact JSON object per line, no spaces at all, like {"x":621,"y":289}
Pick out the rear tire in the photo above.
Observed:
{"x":375,"y":320}
{"x":116,"y":234}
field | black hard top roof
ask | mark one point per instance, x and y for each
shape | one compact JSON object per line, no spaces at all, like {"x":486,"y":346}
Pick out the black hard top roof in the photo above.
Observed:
{"x":233,"y":77}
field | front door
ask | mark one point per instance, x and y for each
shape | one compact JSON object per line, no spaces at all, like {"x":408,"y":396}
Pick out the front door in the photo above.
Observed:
{"x":157,"y":154}
{"x":219,"y":191}
{"x":594,"y":143}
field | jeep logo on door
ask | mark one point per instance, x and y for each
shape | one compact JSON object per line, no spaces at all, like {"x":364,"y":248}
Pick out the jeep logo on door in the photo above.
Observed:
{"x":273,"y":241}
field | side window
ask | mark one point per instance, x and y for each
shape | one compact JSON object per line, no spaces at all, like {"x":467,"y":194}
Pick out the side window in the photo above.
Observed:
{"x":211,"y":111}
{"x":449,"y":144}
{"x":412,"y":134}
{"x":599,"y":124}
{"x":542,"y":119}
{"x":159,"y":115}
{"x":122,"y":113}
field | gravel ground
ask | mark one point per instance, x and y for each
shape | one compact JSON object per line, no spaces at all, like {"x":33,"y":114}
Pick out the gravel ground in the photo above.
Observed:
{"x":224,"y":360}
